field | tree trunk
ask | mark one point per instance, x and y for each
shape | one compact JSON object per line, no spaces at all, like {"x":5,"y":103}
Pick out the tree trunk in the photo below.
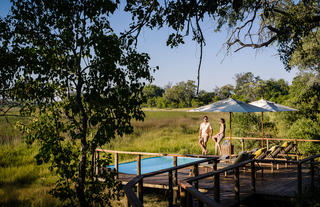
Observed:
{"x":80,"y":189}
{"x":82,"y":173}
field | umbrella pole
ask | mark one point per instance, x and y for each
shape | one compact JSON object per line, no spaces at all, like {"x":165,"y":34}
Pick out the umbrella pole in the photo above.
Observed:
{"x":262,"y":129}
{"x":230,"y":136}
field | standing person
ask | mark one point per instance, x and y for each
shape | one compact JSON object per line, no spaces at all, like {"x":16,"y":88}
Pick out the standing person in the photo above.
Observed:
{"x":218,"y":137}
{"x":205,"y":130}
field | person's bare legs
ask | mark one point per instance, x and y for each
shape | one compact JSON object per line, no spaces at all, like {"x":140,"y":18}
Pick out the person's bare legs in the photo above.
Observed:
{"x":204,"y":151}
{"x":205,"y":146}
{"x":219,"y":147}
{"x":214,"y":138}
{"x":218,"y":144}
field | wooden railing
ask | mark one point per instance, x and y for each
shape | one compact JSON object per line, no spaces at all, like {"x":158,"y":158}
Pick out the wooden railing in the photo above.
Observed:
{"x":140,"y":154}
{"x":190,"y":191}
{"x":311,"y":161}
{"x":172,"y":173}
{"x":189,"y":187}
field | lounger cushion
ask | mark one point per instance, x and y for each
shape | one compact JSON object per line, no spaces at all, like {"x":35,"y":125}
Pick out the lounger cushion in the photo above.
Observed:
{"x":273,"y":148}
{"x":284,"y":145}
{"x":259,"y":152}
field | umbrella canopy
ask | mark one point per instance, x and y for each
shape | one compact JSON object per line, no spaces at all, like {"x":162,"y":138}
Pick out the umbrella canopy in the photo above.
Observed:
{"x":271,"y":106}
{"x":229,"y":105}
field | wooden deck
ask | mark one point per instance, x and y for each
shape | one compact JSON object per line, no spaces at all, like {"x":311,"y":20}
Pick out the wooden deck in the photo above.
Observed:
{"x":281,"y":182}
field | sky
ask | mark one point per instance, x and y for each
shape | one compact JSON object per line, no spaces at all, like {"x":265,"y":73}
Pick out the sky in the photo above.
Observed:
{"x":181,"y":63}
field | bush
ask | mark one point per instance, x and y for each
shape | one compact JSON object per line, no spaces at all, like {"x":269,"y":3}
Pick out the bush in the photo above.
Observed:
{"x":306,"y":129}
{"x":196,"y":103}
{"x":161,"y":103}
{"x":246,"y":124}
{"x":182,"y":104}
{"x":152,"y":102}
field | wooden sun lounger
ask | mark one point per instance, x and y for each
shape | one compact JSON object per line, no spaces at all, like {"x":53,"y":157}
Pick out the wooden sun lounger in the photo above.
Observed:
{"x":286,"y":155}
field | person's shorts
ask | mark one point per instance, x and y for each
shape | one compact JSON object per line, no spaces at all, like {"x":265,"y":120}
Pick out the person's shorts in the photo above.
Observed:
{"x":204,"y":138}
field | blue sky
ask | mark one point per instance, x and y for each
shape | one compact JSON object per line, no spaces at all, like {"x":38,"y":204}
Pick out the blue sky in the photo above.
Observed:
{"x":180,"y":64}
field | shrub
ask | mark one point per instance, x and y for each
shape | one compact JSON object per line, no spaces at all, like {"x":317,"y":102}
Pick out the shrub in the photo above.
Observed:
{"x":305,"y":128}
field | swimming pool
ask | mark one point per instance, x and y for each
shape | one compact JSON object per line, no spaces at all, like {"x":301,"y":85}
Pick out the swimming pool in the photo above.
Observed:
{"x":153,"y":164}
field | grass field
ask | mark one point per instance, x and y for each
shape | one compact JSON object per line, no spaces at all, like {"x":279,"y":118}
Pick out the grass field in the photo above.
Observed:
{"x":167,"y":132}
{"x":24,"y":183}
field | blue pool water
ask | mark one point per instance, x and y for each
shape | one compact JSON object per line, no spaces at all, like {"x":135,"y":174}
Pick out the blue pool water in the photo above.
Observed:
{"x":153,"y":164}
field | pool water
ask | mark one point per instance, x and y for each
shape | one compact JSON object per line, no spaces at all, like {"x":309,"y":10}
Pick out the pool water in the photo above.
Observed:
{"x":153,"y":164}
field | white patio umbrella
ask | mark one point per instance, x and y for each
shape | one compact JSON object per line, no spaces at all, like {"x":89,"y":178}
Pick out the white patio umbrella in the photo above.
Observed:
{"x":229,"y":105}
{"x":271,"y":107}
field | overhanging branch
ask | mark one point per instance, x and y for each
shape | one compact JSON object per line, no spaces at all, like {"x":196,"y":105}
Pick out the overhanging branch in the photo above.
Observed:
{"x":253,"y":45}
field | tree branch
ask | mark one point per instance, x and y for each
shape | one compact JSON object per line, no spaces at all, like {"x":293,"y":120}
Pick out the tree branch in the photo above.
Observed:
{"x":138,"y":27}
{"x":253,"y":45}
{"x":235,"y":38}
{"x":202,"y":42}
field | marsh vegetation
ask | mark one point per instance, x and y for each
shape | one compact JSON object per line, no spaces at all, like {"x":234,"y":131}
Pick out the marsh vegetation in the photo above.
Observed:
{"x":24,"y":183}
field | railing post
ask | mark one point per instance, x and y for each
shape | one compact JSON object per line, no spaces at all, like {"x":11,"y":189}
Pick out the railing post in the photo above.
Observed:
{"x":196,"y":173}
{"x":189,"y":199}
{"x":140,"y":184}
{"x":236,"y":183}
{"x":312,"y":174}
{"x":299,"y":180}
{"x":116,"y":164}
{"x":183,"y":197}
{"x":242,"y":145}
{"x":253,"y":177}
{"x":140,"y":190}
{"x":216,"y":190}
{"x":215,"y":165}
{"x":139,"y":164}
{"x":175,"y":180}
{"x":170,"y":198}
{"x":196,"y":183}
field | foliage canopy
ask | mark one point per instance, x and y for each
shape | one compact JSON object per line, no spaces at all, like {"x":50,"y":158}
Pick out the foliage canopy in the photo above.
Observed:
{"x":80,"y":82}
{"x":291,"y":25}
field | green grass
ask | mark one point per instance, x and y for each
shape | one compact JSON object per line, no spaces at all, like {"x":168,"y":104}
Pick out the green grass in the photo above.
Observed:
{"x":24,"y":183}
{"x":27,"y":196}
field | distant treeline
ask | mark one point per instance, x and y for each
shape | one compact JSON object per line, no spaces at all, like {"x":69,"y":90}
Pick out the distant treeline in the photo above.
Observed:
{"x":248,"y":88}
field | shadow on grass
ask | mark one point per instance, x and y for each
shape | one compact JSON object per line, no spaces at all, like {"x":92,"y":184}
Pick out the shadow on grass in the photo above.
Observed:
{"x":33,"y":195}
{"x":19,"y":176}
